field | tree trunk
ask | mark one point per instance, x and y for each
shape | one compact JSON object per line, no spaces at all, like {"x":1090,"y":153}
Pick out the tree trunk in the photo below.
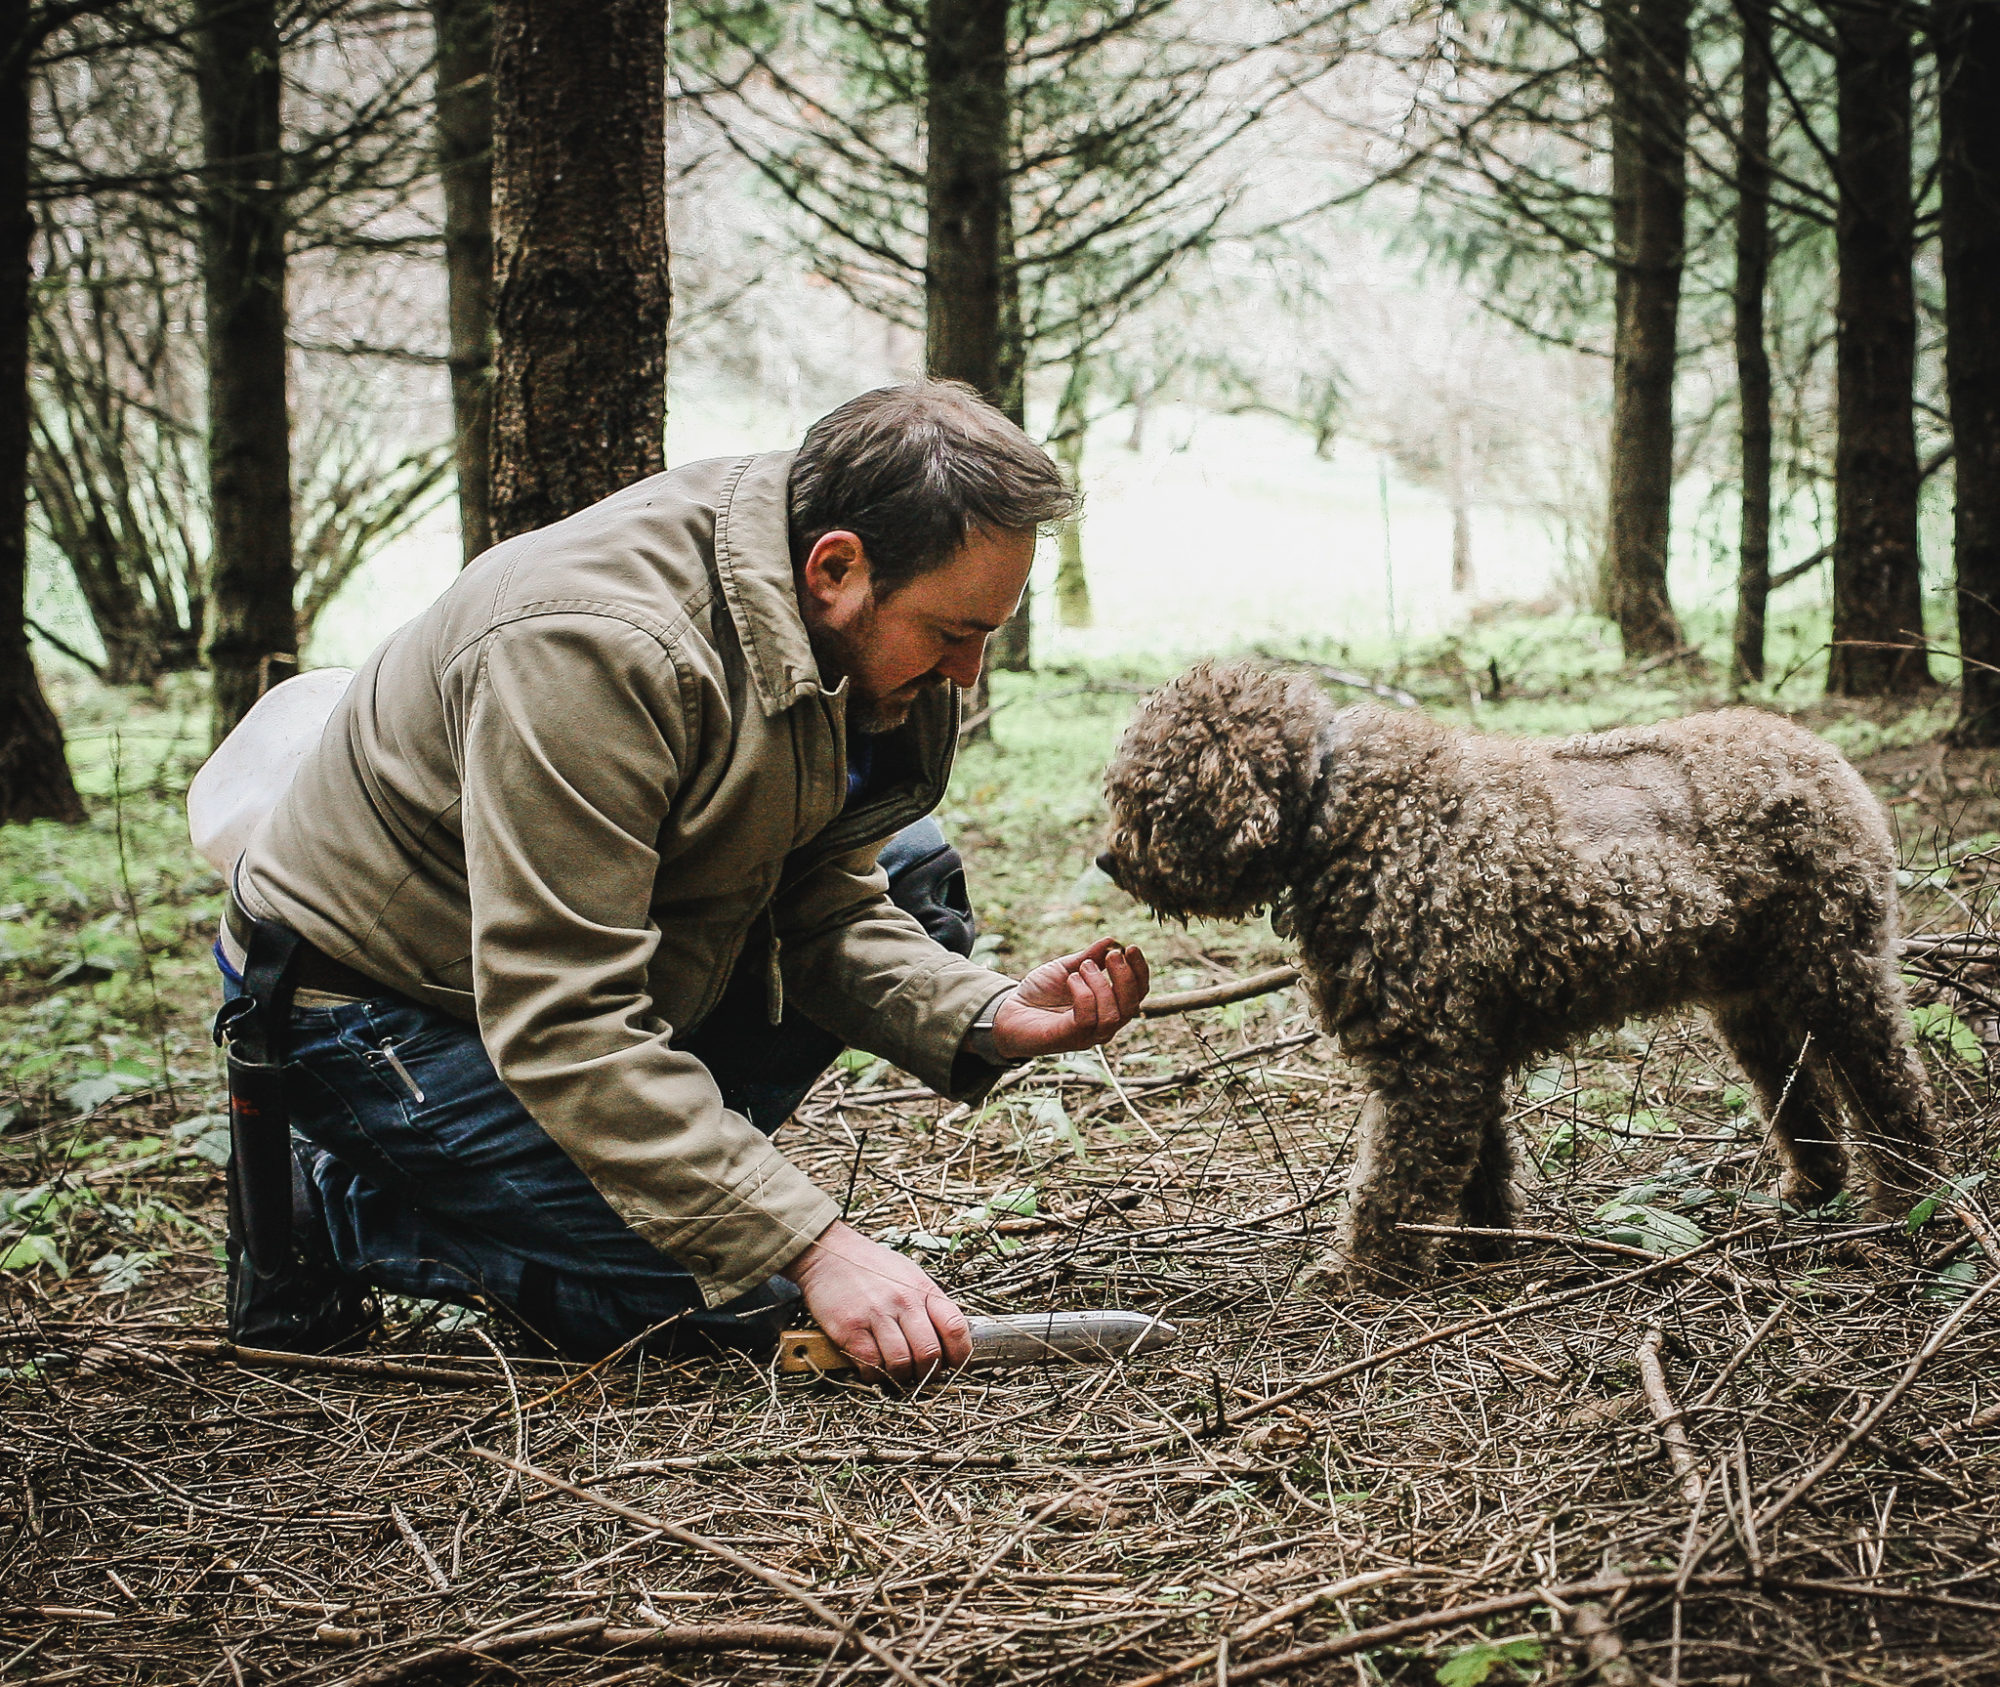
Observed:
{"x":1014,"y":644}
{"x":1878,"y":611}
{"x":1646,"y":51}
{"x":971,"y":313}
{"x":965,"y":191}
{"x":34,"y":773}
{"x":1753,"y":358}
{"x":580,"y":286}
{"x":252,"y":632}
{"x":1072,"y":424}
{"x":464,"y":31}
{"x":1458,"y":473}
{"x":1968,"y":50}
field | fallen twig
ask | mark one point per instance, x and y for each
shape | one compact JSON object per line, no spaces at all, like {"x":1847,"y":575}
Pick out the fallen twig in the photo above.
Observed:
{"x":1219,"y":995}
{"x":1428,"y":1622}
{"x":1985,"y":1418}
{"x":987,"y":1564}
{"x":1354,"y":1367}
{"x":1591,"y":1244}
{"x":1667,"y":1415}
{"x":595,"y":1634}
{"x":1666,"y":658}
{"x":932,"y":1458}
{"x":1346,"y":677}
{"x":1981,"y":1231}
{"x":417,"y":1544}
{"x":1234,"y":1057}
{"x":326,"y":1364}
{"x":1277,"y":978}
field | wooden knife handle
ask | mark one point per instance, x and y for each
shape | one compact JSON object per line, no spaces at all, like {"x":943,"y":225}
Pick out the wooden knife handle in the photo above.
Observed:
{"x":810,"y":1350}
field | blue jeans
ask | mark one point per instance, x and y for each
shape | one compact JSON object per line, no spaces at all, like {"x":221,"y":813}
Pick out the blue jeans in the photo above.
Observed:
{"x":462,"y":1197}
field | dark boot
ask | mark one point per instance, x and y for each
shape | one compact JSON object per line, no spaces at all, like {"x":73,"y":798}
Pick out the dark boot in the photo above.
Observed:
{"x":308,"y":1304}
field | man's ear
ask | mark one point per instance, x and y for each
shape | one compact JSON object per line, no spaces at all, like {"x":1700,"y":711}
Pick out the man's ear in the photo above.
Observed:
{"x":836,"y":570}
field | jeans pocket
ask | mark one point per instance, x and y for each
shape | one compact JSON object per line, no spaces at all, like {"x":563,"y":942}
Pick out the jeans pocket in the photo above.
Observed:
{"x":408,"y":1053}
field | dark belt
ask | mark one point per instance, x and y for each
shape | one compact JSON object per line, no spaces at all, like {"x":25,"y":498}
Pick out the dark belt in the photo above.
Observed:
{"x":316,"y":970}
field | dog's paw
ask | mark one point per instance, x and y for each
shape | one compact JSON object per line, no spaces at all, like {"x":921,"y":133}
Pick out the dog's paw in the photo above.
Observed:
{"x":1341,"y":1272}
{"x":1325,"y":1275}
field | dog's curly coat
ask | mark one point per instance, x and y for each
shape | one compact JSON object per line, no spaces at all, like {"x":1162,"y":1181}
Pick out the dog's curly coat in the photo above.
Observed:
{"x":1465,"y":903}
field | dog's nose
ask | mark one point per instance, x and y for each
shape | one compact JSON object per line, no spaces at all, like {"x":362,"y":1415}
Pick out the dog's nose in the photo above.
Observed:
{"x":1106,"y":864}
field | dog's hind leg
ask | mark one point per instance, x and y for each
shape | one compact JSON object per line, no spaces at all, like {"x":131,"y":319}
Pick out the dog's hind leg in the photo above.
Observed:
{"x":1492,"y":1201}
{"x":1421,"y":1137}
{"x":1779,"y":1060}
{"x":1861,"y":1038}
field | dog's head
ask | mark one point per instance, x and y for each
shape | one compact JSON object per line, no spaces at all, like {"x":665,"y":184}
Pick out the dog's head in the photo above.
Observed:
{"x":1210,"y":788}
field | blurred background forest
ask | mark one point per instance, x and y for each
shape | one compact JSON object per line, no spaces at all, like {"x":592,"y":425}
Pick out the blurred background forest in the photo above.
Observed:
{"x":1360,"y":323}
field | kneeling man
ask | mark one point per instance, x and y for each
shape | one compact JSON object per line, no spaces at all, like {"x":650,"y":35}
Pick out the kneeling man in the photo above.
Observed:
{"x":598,"y":864}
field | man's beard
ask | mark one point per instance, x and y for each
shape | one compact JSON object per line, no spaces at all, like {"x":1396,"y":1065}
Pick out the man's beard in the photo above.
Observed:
{"x":870,"y":716}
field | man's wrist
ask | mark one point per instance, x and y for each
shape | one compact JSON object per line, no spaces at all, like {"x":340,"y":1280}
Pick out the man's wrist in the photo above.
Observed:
{"x":979,"y":1035}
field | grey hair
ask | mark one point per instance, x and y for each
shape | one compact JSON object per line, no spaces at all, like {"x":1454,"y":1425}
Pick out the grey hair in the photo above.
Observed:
{"x":913,"y":471}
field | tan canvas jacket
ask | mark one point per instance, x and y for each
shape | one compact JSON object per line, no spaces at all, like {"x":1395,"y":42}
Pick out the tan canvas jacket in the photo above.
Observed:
{"x":565,"y":800}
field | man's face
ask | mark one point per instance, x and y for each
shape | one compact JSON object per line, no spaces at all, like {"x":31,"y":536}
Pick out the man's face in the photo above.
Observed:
{"x":934,"y":629}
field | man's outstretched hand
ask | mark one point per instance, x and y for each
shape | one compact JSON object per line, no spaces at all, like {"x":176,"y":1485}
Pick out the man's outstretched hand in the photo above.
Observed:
{"x":1075,"y":1002}
{"x":881,"y":1310}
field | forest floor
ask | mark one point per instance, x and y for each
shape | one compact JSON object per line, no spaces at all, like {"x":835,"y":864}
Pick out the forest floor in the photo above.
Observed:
{"x":1477,"y":1484}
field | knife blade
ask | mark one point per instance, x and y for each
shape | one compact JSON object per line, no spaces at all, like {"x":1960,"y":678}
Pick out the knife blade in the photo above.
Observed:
{"x":1014,"y":1338}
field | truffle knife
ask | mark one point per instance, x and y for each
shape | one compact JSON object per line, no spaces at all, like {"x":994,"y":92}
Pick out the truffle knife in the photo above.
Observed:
{"x":1016,"y":1338}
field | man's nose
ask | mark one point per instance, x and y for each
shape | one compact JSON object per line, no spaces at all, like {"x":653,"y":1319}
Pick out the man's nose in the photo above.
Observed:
{"x":962,"y":667}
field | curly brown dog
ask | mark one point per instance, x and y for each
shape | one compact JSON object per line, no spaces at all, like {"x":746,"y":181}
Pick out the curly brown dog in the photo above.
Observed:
{"x":1465,"y":903}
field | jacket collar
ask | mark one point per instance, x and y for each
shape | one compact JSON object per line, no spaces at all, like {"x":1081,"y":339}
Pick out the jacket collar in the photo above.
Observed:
{"x":753,"y":557}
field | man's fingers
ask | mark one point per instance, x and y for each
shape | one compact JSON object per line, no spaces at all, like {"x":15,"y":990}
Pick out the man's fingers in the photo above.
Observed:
{"x":1130,"y":980}
{"x":1106,"y":994}
{"x":1124,"y":988}
{"x":954,"y":1333}
{"x":893,"y":1348}
{"x":926,"y":1351}
{"x":1082,"y":1002}
{"x":860,"y":1346}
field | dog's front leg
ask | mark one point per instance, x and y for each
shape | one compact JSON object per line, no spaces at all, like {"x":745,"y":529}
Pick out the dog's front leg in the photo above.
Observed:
{"x":1423,"y":1137}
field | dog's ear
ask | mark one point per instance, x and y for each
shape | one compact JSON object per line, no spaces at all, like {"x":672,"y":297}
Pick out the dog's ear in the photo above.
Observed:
{"x":1206,"y":790}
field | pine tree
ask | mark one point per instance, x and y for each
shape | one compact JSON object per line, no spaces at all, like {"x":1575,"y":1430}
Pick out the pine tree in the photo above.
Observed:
{"x":1878,"y":616}
{"x":581,"y":295}
{"x":464,"y":33}
{"x":252,"y":639}
{"x":1646,"y":51}
{"x":1967,"y":35}
{"x":35,"y":781}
